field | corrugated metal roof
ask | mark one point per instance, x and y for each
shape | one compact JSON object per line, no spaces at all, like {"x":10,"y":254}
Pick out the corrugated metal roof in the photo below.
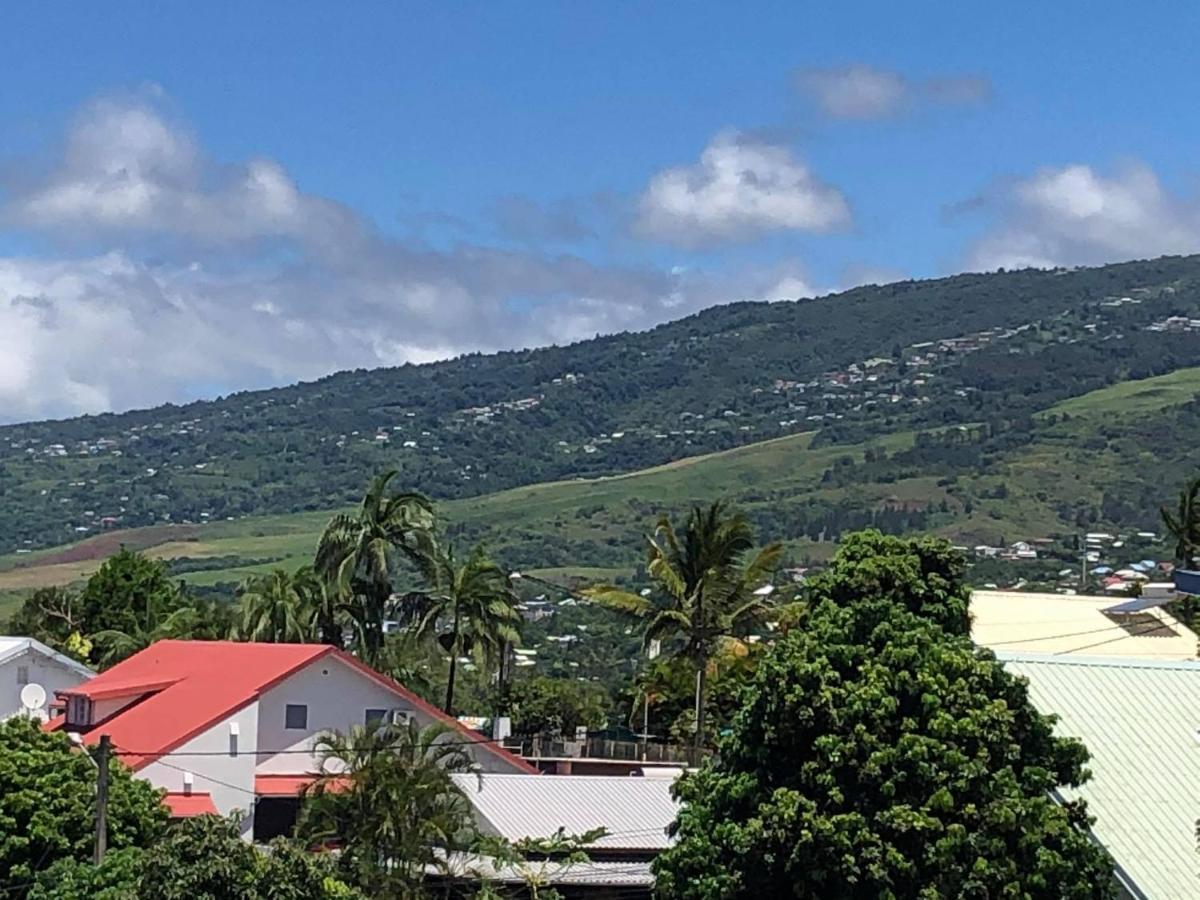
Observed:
{"x":1066,"y":623}
{"x":634,"y":811}
{"x":594,"y":874}
{"x":1139,"y":720}
{"x":14,"y":646}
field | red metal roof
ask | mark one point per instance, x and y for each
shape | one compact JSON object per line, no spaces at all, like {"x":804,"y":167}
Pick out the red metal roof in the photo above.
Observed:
{"x":184,"y":805}
{"x":286,"y":785}
{"x":193,"y":685}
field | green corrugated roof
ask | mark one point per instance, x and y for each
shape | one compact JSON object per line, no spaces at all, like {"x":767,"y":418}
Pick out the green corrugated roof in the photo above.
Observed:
{"x":1140,"y":720}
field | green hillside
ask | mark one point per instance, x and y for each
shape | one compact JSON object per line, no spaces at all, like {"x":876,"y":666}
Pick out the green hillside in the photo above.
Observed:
{"x":1106,"y":458}
{"x":849,"y":368}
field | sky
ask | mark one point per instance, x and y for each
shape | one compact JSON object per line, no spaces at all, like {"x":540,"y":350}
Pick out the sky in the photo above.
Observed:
{"x":202,"y":198}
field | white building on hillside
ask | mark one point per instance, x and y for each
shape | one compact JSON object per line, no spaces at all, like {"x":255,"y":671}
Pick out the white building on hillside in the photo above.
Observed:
{"x":24,"y":661}
{"x":226,"y":726}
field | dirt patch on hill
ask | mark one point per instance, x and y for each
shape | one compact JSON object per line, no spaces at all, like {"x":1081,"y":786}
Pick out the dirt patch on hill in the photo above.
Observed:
{"x":105,"y":545}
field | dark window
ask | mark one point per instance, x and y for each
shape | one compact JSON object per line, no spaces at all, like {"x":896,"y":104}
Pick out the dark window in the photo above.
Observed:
{"x":296,"y":716}
{"x":374,"y":716}
{"x":22,"y":674}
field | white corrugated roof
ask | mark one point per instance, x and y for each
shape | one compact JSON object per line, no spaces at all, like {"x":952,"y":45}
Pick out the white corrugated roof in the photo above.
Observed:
{"x":1139,"y":720}
{"x":634,"y":811}
{"x":607,"y":874}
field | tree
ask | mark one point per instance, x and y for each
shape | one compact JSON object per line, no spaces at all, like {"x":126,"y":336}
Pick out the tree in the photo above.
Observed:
{"x":356,"y":555}
{"x":53,"y":616}
{"x":204,"y":857}
{"x":113,"y":645}
{"x":468,"y":609}
{"x":542,"y":705}
{"x":386,"y":795}
{"x":707,"y":584}
{"x":125,"y":592}
{"x":878,"y":754}
{"x":277,"y":608}
{"x":1184,"y":524}
{"x":48,"y":800}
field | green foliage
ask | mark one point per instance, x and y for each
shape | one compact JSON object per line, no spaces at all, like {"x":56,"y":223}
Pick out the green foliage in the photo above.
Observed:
{"x":69,"y":878}
{"x":1184,"y":524}
{"x":468,"y":609}
{"x":204,"y":858}
{"x":555,"y":706}
{"x":388,"y":798}
{"x":878,"y":755}
{"x":126,"y":593}
{"x":357,"y":554}
{"x":923,"y":575}
{"x":707,"y":582}
{"x":47,"y":803}
{"x":282,"y":608}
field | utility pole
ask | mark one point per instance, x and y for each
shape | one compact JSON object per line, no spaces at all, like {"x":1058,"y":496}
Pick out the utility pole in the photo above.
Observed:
{"x":102,"y":754}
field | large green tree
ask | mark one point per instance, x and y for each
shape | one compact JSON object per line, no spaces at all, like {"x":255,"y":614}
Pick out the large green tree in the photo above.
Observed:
{"x":469,"y":609}
{"x":358,"y":552}
{"x":48,"y":802}
{"x":709,"y":582}
{"x":128,"y":592}
{"x":878,"y":754}
{"x":387,"y":796}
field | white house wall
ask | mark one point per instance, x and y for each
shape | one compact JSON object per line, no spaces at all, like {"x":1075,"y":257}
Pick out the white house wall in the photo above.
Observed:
{"x":220,"y":764}
{"x":338,"y":696}
{"x":43,"y":670}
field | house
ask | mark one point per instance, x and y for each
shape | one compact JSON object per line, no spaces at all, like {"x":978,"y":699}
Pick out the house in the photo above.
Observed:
{"x":24,"y":661}
{"x":1077,"y":624}
{"x":635,"y":813}
{"x":225,"y":726}
{"x":1139,"y":720}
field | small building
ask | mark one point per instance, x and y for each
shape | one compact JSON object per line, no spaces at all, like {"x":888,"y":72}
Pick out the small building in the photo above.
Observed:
{"x":225,"y":726}
{"x":1139,"y":720}
{"x":635,"y":812}
{"x":25,"y":661}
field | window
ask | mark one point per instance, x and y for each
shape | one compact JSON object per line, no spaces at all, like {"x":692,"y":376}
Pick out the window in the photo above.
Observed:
{"x":22,"y":674}
{"x":295,"y":716}
{"x":374,"y":716}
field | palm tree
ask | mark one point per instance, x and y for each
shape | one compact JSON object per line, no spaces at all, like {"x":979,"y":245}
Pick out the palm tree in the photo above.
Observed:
{"x":276,"y":608}
{"x":469,"y":608}
{"x":112,"y":645}
{"x":356,"y":555}
{"x":1184,"y":524}
{"x":709,"y":585}
{"x":386,"y":794}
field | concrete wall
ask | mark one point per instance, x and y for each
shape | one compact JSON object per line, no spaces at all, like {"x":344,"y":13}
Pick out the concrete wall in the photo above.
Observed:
{"x":43,"y":670}
{"x":221,"y":765}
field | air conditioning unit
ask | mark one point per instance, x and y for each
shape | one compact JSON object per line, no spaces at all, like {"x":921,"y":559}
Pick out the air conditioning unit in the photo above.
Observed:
{"x":399,"y":716}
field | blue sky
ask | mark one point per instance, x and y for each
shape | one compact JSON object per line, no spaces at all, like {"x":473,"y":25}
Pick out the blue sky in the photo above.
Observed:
{"x":214,"y":196}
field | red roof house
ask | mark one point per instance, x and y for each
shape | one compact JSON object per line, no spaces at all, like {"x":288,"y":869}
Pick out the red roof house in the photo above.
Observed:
{"x":232,"y":725}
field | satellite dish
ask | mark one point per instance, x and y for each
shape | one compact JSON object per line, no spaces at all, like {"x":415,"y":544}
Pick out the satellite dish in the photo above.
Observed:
{"x":33,"y":696}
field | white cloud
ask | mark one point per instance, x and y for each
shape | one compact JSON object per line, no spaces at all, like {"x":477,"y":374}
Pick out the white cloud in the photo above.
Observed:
{"x":126,"y":168}
{"x":1075,"y":215}
{"x":182,"y":293}
{"x":866,"y":92}
{"x":739,"y":190}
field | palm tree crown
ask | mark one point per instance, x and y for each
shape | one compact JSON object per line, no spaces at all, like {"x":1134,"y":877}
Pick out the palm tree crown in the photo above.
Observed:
{"x":1184,"y":524}
{"x":356,"y":554}
{"x":469,"y":608}
{"x":708,"y":583}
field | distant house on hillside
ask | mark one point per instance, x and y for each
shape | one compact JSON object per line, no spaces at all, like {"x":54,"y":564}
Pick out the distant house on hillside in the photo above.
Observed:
{"x":1139,"y":720}
{"x":24,"y":661}
{"x":226,"y":726}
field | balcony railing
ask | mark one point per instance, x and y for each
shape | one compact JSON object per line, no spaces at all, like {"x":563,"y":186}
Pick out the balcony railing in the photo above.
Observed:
{"x":546,"y":746}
